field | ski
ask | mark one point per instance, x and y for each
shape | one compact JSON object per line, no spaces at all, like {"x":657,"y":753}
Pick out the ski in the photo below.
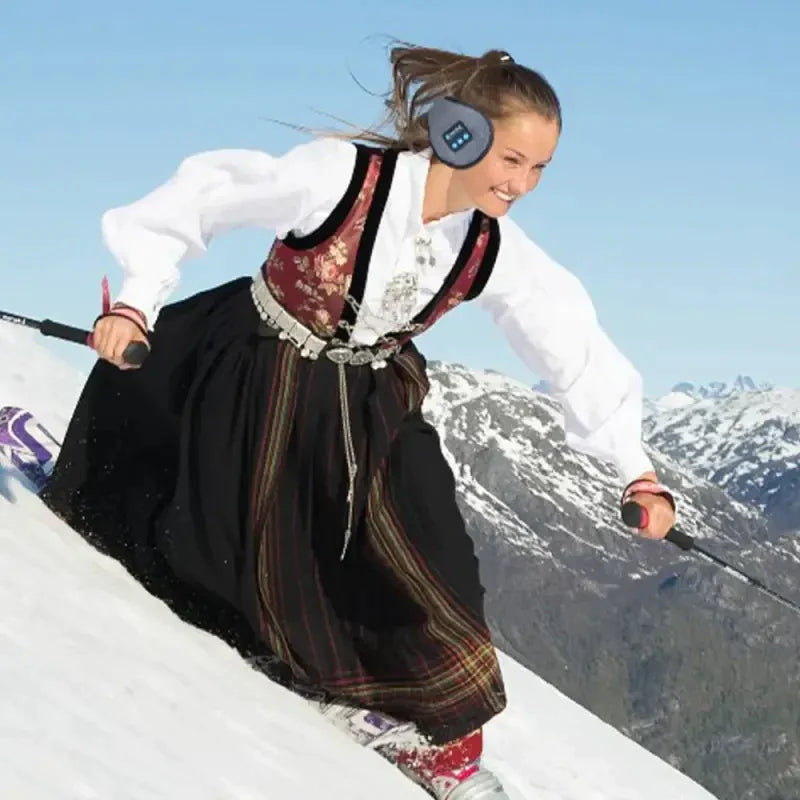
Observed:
{"x":27,"y":445}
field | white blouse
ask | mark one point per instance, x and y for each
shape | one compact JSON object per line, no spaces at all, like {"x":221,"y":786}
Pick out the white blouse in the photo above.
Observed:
{"x":542,"y":309}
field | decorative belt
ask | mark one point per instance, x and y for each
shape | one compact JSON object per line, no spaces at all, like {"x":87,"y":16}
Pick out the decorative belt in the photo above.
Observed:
{"x":312,"y":347}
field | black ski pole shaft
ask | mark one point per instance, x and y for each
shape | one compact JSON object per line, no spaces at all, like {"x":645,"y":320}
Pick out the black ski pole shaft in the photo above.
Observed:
{"x":632,"y":516}
{"x":48,"y":328}
{"x":135,"y":353}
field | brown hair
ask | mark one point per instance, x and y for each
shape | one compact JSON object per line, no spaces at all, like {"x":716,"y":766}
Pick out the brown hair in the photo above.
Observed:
{"x":493,"y":83}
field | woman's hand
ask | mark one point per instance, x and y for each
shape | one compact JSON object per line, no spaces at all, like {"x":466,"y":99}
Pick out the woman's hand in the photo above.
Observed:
{"x":660,"y":513}
{"x":114,"y":331}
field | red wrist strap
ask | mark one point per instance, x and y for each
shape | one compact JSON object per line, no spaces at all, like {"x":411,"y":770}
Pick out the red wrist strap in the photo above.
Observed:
{"x":106,"y":295}
{"x":121,"y":310}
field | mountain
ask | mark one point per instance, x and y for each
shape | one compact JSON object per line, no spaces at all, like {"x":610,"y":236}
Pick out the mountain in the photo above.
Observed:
{"x":741,"y":385}
{"x":687,"y":660}
{"x":685,"y":393}
{"x":747,"y":442}
{"x":109,"y":694}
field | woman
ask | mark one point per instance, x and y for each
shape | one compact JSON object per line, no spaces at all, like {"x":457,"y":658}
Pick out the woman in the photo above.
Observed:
{"x":271,"y":451}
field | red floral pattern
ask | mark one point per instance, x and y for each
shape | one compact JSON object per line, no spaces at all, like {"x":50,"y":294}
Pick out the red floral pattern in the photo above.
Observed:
{"x":312,"y":284}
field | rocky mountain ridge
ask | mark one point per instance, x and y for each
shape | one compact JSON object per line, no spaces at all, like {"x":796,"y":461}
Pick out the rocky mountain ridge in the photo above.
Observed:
{"x":680,"y":655}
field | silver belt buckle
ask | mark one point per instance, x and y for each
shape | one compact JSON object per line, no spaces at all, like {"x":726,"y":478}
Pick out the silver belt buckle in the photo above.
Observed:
{"x":362,"y":357}
{"x":339,"y":355}
{"x":359,"y":358}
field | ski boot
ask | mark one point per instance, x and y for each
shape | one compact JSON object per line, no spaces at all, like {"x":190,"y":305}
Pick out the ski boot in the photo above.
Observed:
{"x":447,"y":772}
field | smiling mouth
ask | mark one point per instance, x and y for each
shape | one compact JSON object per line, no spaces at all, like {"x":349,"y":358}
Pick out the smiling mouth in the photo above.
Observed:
{"x":507,"y":198}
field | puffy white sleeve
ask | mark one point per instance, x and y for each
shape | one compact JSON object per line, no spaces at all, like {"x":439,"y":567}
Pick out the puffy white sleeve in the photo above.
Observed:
{"x":550,"y":321}
{"x":213,"y":192}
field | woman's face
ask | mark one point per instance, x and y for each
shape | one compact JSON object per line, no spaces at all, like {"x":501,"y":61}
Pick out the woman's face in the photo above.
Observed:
{"x":523,"y":145}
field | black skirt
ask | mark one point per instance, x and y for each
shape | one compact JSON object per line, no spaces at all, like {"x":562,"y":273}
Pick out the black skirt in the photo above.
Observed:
{"x":217,"y":474}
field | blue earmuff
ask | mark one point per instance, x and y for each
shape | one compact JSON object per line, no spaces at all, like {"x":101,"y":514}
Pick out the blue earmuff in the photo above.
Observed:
{"x":460,"y":135}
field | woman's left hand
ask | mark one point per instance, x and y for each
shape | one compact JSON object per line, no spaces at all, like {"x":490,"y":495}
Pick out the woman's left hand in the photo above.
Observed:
{"x":660,"y":516}
{"x":660,"y":513}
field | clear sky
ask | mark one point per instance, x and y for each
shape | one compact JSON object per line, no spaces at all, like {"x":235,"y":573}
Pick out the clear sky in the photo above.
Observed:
{"x":674,"y":194}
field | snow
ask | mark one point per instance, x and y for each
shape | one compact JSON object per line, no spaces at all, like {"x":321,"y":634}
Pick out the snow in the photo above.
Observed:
{"x":740,"y":435}
{"x":674,"y":400}
{"x":510,"y":427}
{"x":107,"y":694}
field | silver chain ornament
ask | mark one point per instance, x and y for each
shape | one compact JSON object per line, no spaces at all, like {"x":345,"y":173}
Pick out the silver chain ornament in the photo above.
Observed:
{"x":400,"y":298}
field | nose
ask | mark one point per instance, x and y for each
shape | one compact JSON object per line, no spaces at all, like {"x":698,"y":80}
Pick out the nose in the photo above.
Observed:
{"x":531,"y":181}
{"x":518,"y":186}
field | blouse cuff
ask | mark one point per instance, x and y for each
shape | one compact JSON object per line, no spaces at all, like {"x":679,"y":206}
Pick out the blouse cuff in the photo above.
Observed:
{"x":140,"y":294}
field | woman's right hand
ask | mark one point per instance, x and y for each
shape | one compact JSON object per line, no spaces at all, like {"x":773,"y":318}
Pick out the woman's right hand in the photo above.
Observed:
{"x":112,"y":334}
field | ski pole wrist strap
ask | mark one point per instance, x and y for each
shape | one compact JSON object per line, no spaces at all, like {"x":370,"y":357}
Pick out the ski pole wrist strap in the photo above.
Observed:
{"x":128,"y":313}
{"x":646,"y":486}
{"x":121,"y":310}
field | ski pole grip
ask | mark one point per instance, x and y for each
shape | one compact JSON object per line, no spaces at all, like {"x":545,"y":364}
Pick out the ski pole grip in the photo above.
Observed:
{"x":135,"y":353}
{"x":680,"y":539}
{"x":60,"y":331}
{"x":633,"y":515}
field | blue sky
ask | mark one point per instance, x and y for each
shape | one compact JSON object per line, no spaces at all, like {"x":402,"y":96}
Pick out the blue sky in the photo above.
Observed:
{"x":673,"y":195}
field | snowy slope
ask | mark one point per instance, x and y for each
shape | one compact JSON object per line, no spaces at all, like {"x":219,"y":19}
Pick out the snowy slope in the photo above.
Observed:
{"x":114,"y":697}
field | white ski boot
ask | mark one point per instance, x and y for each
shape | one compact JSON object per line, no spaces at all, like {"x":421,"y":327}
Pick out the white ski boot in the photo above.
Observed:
{"x":473,"y":783}
{"x":427,"y":765}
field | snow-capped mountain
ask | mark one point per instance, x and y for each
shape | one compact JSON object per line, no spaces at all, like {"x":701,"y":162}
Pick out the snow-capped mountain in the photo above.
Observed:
{"x":651,"y":639}
{"x":741,"y":384}
{"x":745,"y":441}
{"x":108,"y":694}
{"x":685,"y":394}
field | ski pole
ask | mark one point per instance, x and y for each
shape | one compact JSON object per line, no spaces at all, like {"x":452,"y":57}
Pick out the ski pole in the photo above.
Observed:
{"x":135,"y":353}
{"x":635,"y":515}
